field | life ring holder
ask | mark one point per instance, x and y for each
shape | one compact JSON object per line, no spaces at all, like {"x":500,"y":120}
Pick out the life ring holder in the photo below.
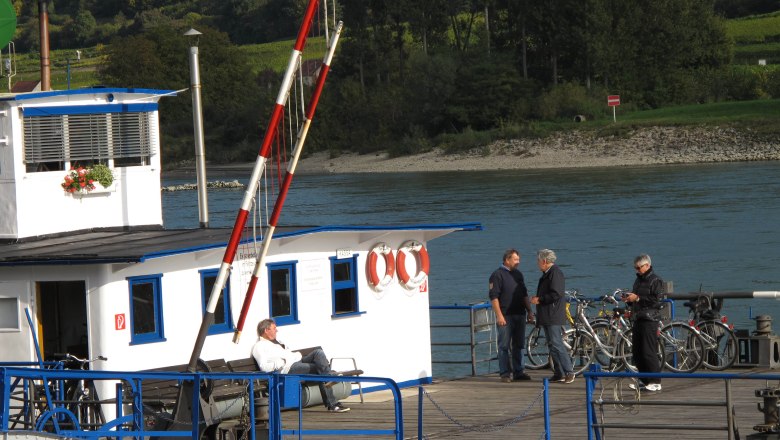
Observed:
{"x":380,"y":284}
{"x":412,"y":247}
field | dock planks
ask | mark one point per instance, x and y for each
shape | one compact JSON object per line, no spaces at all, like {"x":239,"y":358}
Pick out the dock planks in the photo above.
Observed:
{"x":483,"y":407}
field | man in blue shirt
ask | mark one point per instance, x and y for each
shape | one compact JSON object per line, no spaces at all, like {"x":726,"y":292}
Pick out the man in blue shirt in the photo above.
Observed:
{"x":509,"y":299}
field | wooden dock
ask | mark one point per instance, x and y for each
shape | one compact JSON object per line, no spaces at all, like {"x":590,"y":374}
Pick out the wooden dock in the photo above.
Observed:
{"x":484,"y":407}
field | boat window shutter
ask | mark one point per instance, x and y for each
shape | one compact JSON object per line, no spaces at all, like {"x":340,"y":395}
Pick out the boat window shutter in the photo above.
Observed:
{"x":96,"y":136}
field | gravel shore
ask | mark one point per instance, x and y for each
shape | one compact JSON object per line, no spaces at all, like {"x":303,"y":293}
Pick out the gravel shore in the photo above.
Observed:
{"x":655,"y":145}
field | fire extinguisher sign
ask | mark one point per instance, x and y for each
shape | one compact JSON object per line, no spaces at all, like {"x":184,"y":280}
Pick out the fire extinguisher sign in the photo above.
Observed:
{"x":119,"y":320}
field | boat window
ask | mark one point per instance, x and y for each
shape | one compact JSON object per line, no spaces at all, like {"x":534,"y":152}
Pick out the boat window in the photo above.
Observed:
{"x":9,"y":314}
{"x":344,"y":284}
{"x":283,"y":298}
{"x":57,"y":136}
{"x":223,"y":320}
{"x":146,"y":323}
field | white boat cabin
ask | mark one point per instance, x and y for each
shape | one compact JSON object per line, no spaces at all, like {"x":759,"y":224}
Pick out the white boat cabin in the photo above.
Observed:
{"x":94,"y":273}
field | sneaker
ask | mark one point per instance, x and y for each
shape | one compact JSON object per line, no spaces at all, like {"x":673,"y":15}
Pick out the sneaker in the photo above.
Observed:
{"x":521,"y":376}
{"x":338,"y":408}
{"x":653,"y":387}
{"x":634,"y":387}
{"x":506,"y":379}
{"x":557,"y":379}
{"x":569,"y":378}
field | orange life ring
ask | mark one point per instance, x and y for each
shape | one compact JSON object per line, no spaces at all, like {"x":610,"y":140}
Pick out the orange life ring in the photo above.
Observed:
{"x":373,"y":277}
{"x":423,"y":264}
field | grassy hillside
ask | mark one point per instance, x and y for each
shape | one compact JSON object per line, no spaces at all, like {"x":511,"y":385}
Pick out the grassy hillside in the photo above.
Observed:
{"x":756,"y":37}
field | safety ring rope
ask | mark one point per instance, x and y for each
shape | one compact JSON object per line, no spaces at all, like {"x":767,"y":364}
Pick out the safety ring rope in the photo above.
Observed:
{"x":412,"y":247}
{"x":371,"y":266}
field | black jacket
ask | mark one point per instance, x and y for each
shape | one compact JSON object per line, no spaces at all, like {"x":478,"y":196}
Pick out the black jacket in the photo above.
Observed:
{"x":650,"y":288}
{"x":551,"y":291}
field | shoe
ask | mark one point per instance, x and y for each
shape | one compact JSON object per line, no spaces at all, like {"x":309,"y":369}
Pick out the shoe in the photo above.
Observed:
{"x":557,"y":379}
{"x":633,"y":386}
{"x":569,"y":378}
{"x":506,"y":379}
{"x":521,"y":376}
{"x":339,"y":408}
{"x":653,"y":387}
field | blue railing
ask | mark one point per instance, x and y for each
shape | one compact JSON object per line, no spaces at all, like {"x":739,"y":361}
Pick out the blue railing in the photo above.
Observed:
{"x":27,"y":401}
{"x":480,"y":319}
{"x":594,"y":427}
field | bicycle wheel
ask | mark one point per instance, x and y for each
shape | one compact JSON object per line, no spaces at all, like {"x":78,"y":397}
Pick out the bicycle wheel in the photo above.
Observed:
{"x":623,"y":353}
{"x":581,"y":346}
{"x":607,"y":335}
{"x":537,"y":354}
{"x":683,"y":347}
{"x":720,"y":345}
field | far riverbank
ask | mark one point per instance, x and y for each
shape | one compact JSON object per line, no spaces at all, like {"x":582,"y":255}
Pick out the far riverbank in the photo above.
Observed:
{"x":574,"y":149}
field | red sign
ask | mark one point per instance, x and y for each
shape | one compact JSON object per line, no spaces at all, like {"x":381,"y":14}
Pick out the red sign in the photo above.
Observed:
{"x":119,"y":320}
{"x":613,"y":100}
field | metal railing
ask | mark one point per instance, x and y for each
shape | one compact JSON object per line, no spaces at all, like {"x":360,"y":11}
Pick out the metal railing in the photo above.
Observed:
{"x":26,"y":400}
{"x":480,"y":336}
{"x":594,"y":426}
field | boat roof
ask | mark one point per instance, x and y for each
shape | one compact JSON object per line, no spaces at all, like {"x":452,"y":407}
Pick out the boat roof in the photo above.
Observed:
{"x":91,"y":90}
{"x":136,"y":246}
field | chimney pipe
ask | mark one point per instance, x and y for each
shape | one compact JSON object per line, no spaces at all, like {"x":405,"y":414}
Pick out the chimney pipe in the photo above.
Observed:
{"x":43,"y":18}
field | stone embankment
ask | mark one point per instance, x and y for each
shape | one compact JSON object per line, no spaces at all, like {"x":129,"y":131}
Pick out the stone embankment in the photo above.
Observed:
{"x":571,"y":149}
{"x":221,"y":184}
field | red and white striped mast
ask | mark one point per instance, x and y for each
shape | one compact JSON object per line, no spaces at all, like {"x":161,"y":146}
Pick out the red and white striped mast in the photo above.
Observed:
{"x":302,"y":132}
{"x":262,"y":157}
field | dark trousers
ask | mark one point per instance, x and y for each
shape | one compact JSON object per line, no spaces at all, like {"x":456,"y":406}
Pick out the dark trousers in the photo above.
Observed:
{"x":511,"y":346}
{"x":315,"y":362}
{"x":644,"y":338}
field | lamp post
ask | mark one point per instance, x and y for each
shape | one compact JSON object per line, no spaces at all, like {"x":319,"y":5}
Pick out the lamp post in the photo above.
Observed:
{"x":197,"y":122}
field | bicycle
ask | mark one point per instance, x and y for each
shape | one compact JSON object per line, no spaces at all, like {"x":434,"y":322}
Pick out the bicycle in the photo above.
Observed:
{"x":80,"y":396}
{"x":721,"y":345}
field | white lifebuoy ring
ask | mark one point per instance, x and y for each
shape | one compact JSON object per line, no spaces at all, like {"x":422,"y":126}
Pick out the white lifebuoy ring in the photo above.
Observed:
{"x":423,"y":264}
{"x":373,"y":277}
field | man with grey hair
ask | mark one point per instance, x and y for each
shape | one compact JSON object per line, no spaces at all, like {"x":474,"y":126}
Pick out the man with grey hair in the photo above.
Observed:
{"x":550,"y":303}
{"x":645,"y":300}
{"x":273,"y":356}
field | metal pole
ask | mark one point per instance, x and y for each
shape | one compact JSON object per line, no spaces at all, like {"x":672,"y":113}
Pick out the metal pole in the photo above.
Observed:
{"x":547,"y":408}
{"x":197,"y":123}
{"x":420,"y":413}
{"x":472,"y":343}
{"x":729,"y":412}
{"x":257,"y":171}
{"x":284,"y":188}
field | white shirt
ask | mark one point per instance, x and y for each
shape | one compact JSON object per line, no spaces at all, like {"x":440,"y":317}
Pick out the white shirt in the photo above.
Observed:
{"x":271,"y":356}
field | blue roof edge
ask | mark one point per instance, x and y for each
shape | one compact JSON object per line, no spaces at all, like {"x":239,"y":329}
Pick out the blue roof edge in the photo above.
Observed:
{"x":86,"y":91}
{"x":463,"y":227}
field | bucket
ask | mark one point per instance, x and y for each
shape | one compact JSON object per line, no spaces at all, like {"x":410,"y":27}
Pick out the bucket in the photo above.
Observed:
{"x":763,"y":325}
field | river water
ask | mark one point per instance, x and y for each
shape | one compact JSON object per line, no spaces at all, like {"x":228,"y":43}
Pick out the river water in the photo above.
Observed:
{"x":712,"y":227}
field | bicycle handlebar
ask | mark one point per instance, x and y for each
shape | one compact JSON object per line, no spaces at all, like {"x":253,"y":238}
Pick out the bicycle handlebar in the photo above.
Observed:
{"x":82,"y":362}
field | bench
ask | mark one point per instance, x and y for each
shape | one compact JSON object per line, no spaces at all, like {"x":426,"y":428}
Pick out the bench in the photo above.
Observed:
{"x":161,"y":394}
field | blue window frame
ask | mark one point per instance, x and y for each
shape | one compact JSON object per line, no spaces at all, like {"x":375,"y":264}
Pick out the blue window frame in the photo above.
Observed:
{"x":223,"y":319}
{"x":283,"y":292}
{"x":344,"y":282}
{"x":146,"y":309}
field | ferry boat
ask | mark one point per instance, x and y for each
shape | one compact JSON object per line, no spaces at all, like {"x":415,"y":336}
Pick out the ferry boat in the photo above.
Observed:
{"x":88,"y":268}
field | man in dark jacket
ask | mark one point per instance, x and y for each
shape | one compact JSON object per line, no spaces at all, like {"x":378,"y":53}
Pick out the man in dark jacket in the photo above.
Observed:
{"x":645,"y":298}
{"x":509,"y":299}
{"x":550,"y":303}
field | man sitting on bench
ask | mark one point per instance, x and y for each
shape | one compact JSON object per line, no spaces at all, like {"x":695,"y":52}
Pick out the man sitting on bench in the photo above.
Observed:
{"x":272,"y":356}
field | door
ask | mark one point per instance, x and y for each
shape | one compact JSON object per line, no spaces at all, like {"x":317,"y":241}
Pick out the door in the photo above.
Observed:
{"x":62,"y":318}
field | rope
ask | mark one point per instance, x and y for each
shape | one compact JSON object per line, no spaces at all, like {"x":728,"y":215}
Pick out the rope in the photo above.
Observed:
{"x":485,"y":427}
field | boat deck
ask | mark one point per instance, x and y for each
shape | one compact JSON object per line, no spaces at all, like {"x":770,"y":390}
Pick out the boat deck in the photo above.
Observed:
{"x":484,"y":407}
